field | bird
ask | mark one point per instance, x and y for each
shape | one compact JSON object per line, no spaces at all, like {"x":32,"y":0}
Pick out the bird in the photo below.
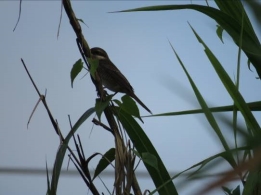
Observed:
{"x":111,"y":77}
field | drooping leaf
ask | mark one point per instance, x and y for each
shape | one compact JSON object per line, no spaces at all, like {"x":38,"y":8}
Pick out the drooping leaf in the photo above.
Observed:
{"x":76,"y":69}
{"x":101,"y":105}
{"x":107,"y":158}
{"x":219,"y":32}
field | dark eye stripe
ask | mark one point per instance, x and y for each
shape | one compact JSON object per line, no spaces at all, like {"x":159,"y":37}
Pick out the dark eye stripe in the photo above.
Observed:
{"x":100,"y":53}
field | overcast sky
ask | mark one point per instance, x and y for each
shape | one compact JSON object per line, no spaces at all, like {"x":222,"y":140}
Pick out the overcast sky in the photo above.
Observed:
{"x":138,"y":45}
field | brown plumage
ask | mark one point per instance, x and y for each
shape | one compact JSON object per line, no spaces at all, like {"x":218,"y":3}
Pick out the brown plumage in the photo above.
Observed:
{"x":111,"y":77}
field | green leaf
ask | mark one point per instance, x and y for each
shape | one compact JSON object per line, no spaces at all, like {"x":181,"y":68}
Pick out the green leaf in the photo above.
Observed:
{"x":48,"y":180}
{"x":248,"y":64}
{"x":253,"y":179}
{"x":206,"y":161}
{"x":236,"y":10}
{"x":142,"y":143}
{"x":129,"y":105}
{"x":231,"y":89}
{"x":107,"y":158}
{"x":118,"y":102}
{"x":219,"y":32}
{"x":253,"y":106}
{"x":208,"y":113}
{"x":62,"y":149}
{"x":101,"y":105}
{"x":226,"y":190}
{"x":76,"y":69}
{"x":150,"y":160}
{"x":136,"y":153}
{"x":229,"y":17}
{"x":236,"y":191}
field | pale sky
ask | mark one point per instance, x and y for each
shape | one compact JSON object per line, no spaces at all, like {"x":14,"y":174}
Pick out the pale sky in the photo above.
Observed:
{"x":138,"y":45}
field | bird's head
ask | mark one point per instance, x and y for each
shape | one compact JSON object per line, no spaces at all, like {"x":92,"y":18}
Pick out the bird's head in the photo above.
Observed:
{"x":99,"y":53}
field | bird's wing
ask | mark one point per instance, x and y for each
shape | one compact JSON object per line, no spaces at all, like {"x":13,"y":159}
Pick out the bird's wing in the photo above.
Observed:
{"x":114,"y":72}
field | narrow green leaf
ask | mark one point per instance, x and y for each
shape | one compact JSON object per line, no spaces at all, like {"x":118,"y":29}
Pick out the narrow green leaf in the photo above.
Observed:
{"x":236,"y":10}
{"x":231,"y":89}
{"x":255,"y":6}
{"x":253,"y":106}
{"x":48,"y":180}
{"x":253,"y":179}
{"x":207,"y":113}
{"x":229,"y":19}
{"x":144,"y":145}
{"x":76,"y":69}
{"x":62,"y":149}
{"x":204,"y":163}
{"x":107,"y":158}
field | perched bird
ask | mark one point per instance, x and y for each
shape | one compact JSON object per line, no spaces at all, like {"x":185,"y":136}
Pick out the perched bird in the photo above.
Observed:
{"x":111,"y":77}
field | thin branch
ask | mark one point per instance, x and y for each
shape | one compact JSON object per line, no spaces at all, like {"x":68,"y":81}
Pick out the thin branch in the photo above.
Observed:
{"x":60,"y":21}
{"x":96,"y":122}
{"x":55,"y":126}
{"x":20,"y":10}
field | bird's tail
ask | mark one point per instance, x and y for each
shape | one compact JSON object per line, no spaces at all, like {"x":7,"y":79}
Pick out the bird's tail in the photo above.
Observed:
{"x":140,"y":102}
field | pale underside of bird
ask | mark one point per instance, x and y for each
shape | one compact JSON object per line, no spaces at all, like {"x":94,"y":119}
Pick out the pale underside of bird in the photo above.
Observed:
{"x":111,"y":77}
